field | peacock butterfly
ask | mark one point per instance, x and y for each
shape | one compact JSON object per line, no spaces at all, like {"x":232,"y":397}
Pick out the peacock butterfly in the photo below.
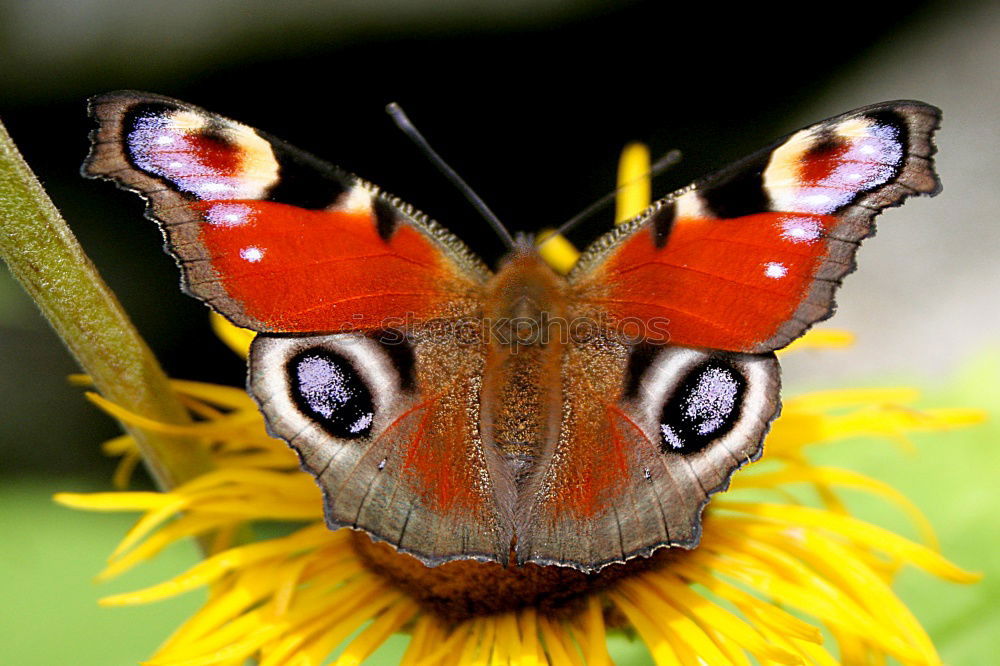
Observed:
{"x":458,"y":413}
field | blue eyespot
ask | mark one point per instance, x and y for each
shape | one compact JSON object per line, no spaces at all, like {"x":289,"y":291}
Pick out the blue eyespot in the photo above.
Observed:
{"x":327,"y":387}
{"x":705,"y":406}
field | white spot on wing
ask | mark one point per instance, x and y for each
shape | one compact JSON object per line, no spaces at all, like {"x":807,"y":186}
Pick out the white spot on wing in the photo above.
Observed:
{"x":800,"y":229}
{"x":357,"y":200}
{"x":252,"y":254}
{"x":690,"y":205}
{"x":671,"y":437}
{"x":228,"y":215}
{"x":361,"y":424}
{"x":775,"y":270}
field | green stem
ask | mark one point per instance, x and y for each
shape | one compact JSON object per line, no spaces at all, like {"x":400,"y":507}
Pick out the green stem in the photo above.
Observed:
{"x":46,"y":258}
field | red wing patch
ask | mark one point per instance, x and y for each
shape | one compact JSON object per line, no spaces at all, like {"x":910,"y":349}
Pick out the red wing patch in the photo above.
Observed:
{"x":718,"y":284}
{"x":748,"y":259}
{"x":301,"y":270}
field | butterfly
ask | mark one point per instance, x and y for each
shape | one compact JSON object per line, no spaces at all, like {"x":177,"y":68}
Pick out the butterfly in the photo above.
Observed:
{"x":519,"y":415}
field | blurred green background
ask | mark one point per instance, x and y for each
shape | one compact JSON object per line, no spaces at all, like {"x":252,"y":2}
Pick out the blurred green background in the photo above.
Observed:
{"x":530,"y":101}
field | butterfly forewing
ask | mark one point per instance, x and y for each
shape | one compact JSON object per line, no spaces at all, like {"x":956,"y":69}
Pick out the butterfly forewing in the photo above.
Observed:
{"x":747,"y":259}
{"x":271,"y":237}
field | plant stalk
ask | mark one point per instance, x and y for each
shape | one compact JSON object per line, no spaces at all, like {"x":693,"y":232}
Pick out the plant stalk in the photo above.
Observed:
{"x":44,"y":255}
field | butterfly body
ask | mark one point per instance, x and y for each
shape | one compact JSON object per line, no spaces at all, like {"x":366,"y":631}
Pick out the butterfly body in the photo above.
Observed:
{"x":459,"y":413}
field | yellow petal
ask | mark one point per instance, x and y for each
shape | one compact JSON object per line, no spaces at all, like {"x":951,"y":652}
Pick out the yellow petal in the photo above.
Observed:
{"x":217,"y":565}
{"x":707,"y":614}
{"x":129,"y":501}
{"x":633,"y":182}
{"x":384,"y":626}
{"x":841,"y":477}
{"x":820,"y":339}
{"x":238,"y":339}
{"x":683,"y":629}
{"x":596,"y":647}
{"x":557,"y":251}
{"x":871,"y":536}
{"x":761,"y":613}
{"x":659,"y":646}
{"x":842,"y":398}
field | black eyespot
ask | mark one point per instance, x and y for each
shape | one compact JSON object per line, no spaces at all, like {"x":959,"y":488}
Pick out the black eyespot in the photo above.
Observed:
{"x":326,"y":387}
{"x":704,"y":407}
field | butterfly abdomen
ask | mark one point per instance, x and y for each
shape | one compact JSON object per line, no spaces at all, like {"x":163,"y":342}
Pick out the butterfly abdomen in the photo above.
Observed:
{"x":526,"y":326}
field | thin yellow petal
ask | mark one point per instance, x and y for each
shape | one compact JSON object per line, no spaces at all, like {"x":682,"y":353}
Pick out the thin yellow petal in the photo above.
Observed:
{"x":507,"y":648}
{"x":676,"y":592}
{"x":684,"y":629}
{"x":236,"y":338}
{"x":560,"y":646}
{"x":384,"y":626}
{"x":596,"y":646}
{"x":319,"y":630}
{"x":118,"y":446}
{"x":659,"y":646}
{"x":474,"y":630}
{"x":200,"y":429}
{"x":423,"y":628}
{"x":785,"y":578}
{"x":812,"y":653}
{"x":217,"y":565}
{"x":634,"y":192}
{"x":229,"y":397}
{"x":200,"y":408}
{"x":149,"y":522}
{"x":760,"y":612}
{"x":130,"y":501}
{"x":815,"y":597}
{"x":838,"y":562}
{"x":528,"y":625}
{"x":872,"y":536}
{"x":337,"y":613}
{"x":842,"y":398}
{"x":248,"y":589}
{"x":820,"y":339}
{"x":841,"y":477}
{"x":557,"y":251}
{"x":732,"y":648}
{"x":184,"y":527}
{"x":486,"y":641}
{"x":123,"y":471}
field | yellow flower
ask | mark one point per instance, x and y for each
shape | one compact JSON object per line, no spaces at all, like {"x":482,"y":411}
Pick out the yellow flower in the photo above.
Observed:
{"x":775,"y":579}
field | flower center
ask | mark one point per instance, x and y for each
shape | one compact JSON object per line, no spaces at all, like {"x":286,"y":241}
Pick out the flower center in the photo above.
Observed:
{"x":462,"y":589}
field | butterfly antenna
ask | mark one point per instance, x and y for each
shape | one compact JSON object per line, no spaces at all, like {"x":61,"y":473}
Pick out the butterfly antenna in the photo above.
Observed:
{"x":403,"y":123}
{"x":665,"y":161}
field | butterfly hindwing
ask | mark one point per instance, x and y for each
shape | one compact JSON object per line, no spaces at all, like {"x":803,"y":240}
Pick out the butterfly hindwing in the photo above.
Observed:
{"x":647,"y":434}
{"x":390,"y":428}
{"x":747,"y":259}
